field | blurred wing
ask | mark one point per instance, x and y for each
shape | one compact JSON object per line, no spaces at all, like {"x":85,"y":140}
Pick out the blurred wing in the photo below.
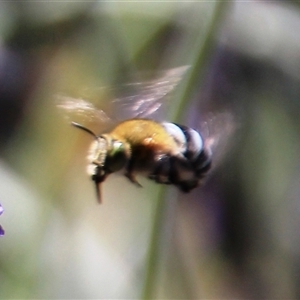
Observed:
{"x":217,"y":132}
{"x":138,"y":100}
{"x":76,"y":108}
{"x":146,"y":98}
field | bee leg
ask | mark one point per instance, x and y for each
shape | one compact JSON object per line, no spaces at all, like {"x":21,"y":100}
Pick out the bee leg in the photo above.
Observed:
{"x":130,"y":174}
{"x":132,"y":178}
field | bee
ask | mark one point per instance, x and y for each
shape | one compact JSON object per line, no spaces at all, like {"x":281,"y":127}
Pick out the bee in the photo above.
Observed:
{"x":165,"y":152}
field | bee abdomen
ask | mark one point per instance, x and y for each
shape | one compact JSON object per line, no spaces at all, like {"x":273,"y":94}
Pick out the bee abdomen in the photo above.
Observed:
{"x":187,"y":169}
{"x":189,"y":141}
{"x":187,"y":174}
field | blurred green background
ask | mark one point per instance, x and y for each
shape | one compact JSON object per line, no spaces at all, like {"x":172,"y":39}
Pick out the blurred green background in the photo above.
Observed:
{"x":236,"y":237}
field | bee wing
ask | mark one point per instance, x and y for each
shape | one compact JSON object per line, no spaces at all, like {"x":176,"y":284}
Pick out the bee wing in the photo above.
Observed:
{"x":139,"y":100}
{"x":147,"y":97}
{"x":78,"y":109}
{"x":217,"y":132}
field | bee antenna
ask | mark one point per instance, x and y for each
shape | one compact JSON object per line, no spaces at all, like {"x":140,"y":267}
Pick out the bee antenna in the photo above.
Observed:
{"x":84,"y":128}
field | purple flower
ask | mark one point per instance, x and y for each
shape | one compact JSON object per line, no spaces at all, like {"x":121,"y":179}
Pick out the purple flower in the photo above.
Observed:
{"x":1,"y":229}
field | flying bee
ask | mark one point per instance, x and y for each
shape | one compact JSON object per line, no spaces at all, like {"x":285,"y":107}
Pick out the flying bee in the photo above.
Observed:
{"x":165,"y":152}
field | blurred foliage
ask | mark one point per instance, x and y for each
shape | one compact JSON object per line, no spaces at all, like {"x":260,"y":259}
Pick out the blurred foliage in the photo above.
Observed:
{"x":236,"y":237}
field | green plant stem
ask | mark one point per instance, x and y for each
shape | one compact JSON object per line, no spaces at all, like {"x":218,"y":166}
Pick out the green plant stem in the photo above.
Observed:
{"x":204,"y":49}
{"x":161,"y":209}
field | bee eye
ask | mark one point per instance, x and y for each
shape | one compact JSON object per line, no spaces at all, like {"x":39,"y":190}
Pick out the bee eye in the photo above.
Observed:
{"x":116,"y":147}
{"x":116,"y":157}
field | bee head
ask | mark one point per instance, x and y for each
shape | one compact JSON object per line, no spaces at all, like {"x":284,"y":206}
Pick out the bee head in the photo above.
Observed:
{"x":106,"y":155}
